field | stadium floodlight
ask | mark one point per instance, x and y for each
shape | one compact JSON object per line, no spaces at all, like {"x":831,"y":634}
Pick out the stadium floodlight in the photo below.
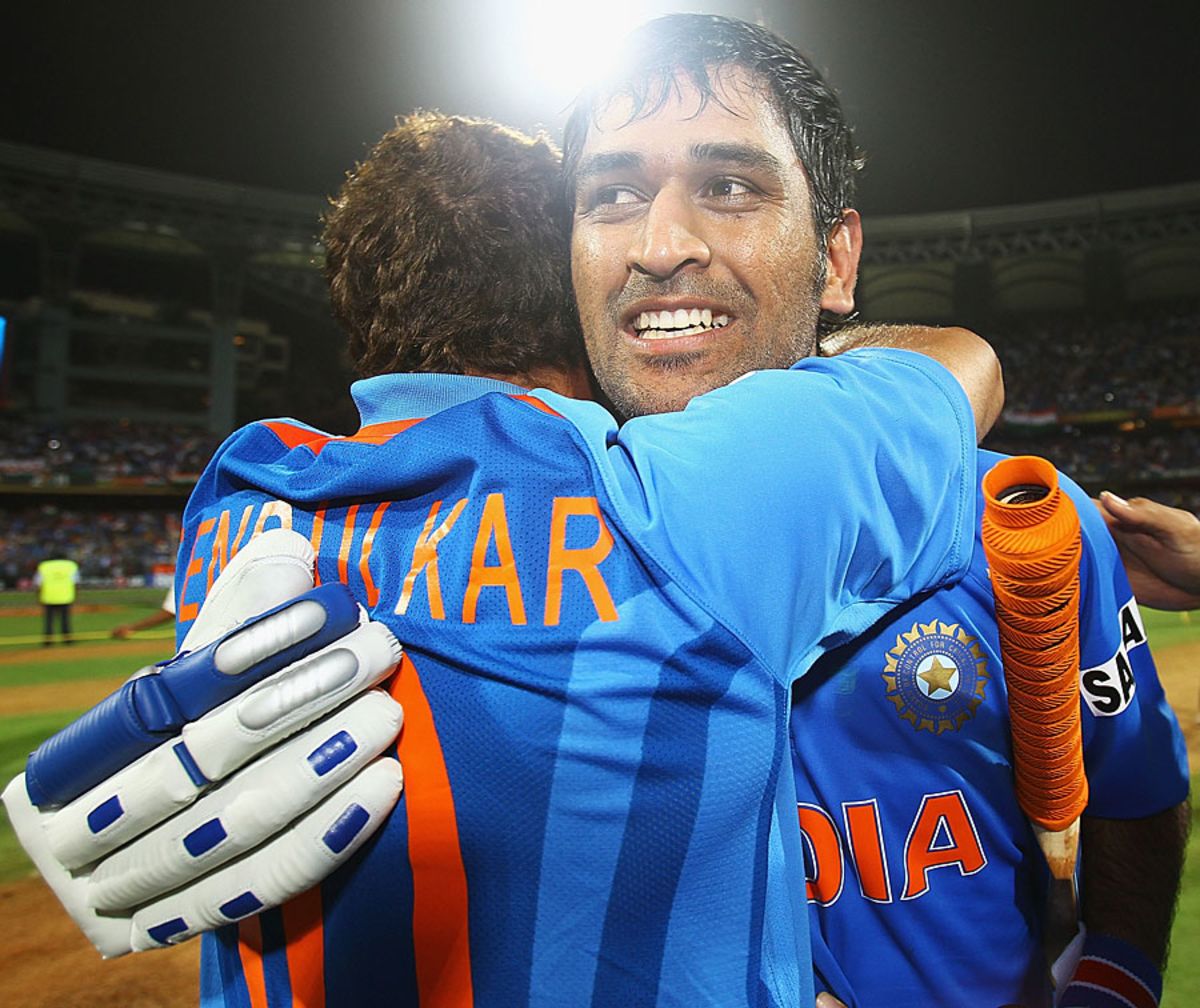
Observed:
{"x":566,"y":44}
{"x":524,"y":61}
{"x":544,"y":51}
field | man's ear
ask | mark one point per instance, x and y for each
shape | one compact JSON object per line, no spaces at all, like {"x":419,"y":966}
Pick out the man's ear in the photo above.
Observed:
{"x":842,"y":250}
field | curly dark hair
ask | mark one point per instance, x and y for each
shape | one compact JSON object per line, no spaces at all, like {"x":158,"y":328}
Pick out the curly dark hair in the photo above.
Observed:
{"x":695,"y":44}
{"x":446,"y":250}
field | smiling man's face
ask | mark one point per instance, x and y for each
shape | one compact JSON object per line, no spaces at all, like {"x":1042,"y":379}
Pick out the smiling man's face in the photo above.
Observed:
{"x":693,"y":253}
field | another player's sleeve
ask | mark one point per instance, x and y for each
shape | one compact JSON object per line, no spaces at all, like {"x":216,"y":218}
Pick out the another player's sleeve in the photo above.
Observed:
{"x":1134,"y":752}
{"x":801,"y":502}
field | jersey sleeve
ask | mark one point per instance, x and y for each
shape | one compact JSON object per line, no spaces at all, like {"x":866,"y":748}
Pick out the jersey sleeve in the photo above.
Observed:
{"x":799,"y":505}
{"x":1134,"y":752}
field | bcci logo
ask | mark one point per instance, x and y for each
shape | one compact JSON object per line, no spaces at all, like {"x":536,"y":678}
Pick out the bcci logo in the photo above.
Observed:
{"x":936,"y":676}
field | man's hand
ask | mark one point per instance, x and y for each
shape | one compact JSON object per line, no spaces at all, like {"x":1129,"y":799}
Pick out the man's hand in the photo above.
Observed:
{"x":1160,"y":547}
{"x":120,"y":836}
{"x":825,"y":1000}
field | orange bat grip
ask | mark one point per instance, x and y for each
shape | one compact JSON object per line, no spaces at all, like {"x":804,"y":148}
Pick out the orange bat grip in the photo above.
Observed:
{"x":1033,"y":549}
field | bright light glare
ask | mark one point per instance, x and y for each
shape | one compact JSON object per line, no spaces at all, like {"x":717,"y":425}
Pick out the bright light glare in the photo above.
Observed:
{"x":552,"y":48}
{"x":532,"y":57}
{"x":568,"y":44}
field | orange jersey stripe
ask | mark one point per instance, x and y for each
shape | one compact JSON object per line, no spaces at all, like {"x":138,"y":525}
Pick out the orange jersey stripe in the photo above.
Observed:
{"x":440,"y":939}
{"x":293,"y":436}
{"x":380,"y":432}
{"x":250,"y":950}
{"x":364,"y":568}
{"x":536,"y":402}
{"x":344,"y":549}
{"x":302,"y":924}
{"x":318,"y":530}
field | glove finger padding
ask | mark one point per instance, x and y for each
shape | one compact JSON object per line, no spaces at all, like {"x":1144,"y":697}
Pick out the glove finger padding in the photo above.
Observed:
{"x":296,"y":860}
{"x":272,"y":568}
{"x":265,"y":835}
{"x":249,"y":808}
{"x":153,"y":707}
{"x":175,"y":774}
{"x":111,"y":936}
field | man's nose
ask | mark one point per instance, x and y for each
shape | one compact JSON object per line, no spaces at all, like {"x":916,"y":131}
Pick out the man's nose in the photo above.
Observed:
{"x":669,"y":239}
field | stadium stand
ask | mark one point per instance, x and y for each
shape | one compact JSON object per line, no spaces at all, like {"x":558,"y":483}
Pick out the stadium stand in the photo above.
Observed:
{"x":112,"y":547}
{"x":100,"y":454}
{"x":147,"y":315}
{"x":1114,"y":401}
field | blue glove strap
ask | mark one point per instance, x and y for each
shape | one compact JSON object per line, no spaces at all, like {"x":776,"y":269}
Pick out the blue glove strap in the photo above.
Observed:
{"x":146,"y":711}
{"x":197,"y":685}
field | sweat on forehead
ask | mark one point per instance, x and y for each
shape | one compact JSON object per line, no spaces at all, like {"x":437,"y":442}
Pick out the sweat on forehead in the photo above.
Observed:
{"x":734,"y":93}
{"x":684,"y":90}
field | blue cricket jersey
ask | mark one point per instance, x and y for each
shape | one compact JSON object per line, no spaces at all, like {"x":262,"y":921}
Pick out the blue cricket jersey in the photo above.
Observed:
{"x":926,"y":884}
{"x":601,"y":627}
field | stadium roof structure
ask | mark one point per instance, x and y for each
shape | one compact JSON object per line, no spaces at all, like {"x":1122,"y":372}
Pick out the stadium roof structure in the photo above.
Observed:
{"x":67,"y":198}
{"x":1123,"y":219}
{"x":1138,"y":245}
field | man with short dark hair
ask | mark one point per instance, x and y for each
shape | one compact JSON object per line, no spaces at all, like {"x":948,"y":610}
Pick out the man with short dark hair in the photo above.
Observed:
{"x":714,"y":166}
{"x":712,"y":180}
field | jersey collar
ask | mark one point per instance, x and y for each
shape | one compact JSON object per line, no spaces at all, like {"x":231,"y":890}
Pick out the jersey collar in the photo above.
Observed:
{"x":392,"y":397}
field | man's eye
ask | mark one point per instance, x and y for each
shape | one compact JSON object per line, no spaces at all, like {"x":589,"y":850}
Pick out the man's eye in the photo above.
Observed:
{"x":614,"y":196}
{"x":727,"y":188}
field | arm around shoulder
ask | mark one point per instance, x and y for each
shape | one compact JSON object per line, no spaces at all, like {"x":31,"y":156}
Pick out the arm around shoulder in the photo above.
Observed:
{"x":964,"y":354}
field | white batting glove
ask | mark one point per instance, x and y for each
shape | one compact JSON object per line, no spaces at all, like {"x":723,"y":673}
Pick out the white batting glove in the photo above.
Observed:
{"x":280,"y":824}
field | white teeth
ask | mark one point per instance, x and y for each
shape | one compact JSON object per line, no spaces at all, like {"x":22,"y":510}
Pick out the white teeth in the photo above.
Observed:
{"x":658,"y":334}
{"x":680,"y":322}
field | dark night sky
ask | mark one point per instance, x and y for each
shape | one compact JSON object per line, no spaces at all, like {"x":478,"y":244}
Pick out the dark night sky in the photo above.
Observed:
{"x":958,"y":103}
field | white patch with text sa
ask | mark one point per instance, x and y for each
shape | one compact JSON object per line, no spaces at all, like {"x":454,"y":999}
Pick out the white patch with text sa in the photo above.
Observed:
{"x":1109,"y":688}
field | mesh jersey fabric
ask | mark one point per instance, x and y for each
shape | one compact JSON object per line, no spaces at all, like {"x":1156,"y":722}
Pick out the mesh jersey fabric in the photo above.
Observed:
{"x":601,"y":629}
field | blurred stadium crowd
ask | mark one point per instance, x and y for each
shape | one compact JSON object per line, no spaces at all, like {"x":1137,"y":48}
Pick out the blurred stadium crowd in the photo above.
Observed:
{"x":112,"y":547}
{"x":91,"y":454}
{"x":1063,"y":364}
{"x":1114,"y":403}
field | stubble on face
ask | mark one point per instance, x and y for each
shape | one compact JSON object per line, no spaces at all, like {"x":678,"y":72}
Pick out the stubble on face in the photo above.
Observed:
{"x":703,"y":208}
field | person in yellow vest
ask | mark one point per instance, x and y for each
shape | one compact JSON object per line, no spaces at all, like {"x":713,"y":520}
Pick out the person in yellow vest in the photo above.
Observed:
{"x":56,"y":579}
